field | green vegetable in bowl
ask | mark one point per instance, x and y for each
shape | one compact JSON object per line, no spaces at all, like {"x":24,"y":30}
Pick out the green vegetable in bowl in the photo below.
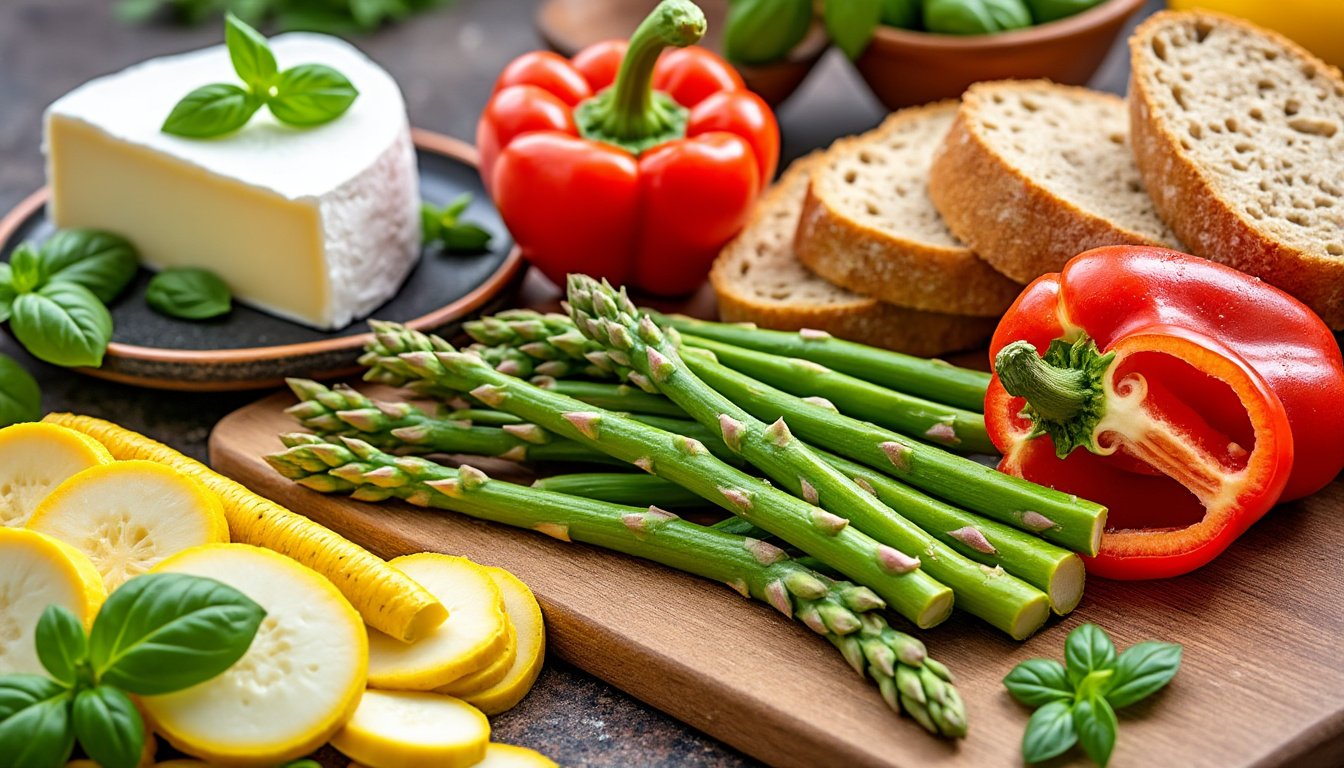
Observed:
{"x":975,"y":17}
{"x":1043,"y":11}
{"x":189,"y":294}
{"x":901,"y":13}
{"x":851,"y":23}
{"x":761,"y":31}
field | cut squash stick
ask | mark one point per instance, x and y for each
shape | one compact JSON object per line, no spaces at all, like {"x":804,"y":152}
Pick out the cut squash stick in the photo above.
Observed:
{"x":34,"y":459}
{"x":386,"y":598}
{"x":476,"y":632}
{"x":530,"y":634}
{"x":509,"y":756}
{"x":36,"y":571}
{"x":128,"y":516}
{"x":299,"y":681}
{"x":413,"y":729}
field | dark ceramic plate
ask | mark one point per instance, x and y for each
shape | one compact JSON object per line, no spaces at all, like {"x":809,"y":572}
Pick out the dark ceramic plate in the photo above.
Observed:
{"x":248,"y":349}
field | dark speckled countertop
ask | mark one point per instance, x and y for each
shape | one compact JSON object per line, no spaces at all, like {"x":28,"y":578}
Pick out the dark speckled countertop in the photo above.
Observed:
{"x":446,"y":62}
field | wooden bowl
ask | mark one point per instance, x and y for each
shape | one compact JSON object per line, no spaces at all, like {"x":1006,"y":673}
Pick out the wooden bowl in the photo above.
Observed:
{"x":905,"y":67}
{"x":569,"y":26}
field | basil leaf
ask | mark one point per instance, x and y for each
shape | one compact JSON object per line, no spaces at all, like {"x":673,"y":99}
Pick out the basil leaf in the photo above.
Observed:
{"x":35,"y":729}
{"x":25,"y":269}
{"x":1095,"y":723}
{"x":7,"y":292}
{"x":762,"y":31}
{"x":163,"y":632}
{"x":109,"y":727}
{"x":63,"y":324}
{"x":100,"y":261}
{"x":851,"y":23}
{"x":901,"y":13}
{"x":62,"y":645}
{"x":456,"y":207}
{"x":431,"y":222}
{"x":311,"y":94}
{"x":1043,"y":11}
{"x":20,"y":397}
{"x":211,"y":110}
{"x":465,"y":238}
{"x":1049,"y":732}
{"x":251,"y":56}
{"x":975,"y":17}
{"x":1088,"y":648}
{"x":1142,"y":670}
{"x":1035,"y":682}
{"x":190,"y":294}
{"x":135,"y":11}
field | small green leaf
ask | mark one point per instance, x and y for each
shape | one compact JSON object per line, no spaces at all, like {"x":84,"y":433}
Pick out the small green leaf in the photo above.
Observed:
{"x":63,"y":324}
{"x":431,"y":222}
{"x":1088,"y":648}
{"x":1142,"y":670}
{"x":901,"y":13}
{"x":62,"y":645}
{"x":851,"y":23}
{"x":1036,"y":682}
{"x":109,"y":727}
{"x":762,"y":31}
{"x":465,"y":238}
{"x":161,"y":632}
{"x":35,"y":728}
{"x":251,"y":55}
{"x":311,"y":94}
{"x":456,"y":207}
{"x":1095,"y":722}
{"x":20,"y":397}
{"x":1044,"y":11}
{"x":211,"y":110}
{"x":135,"y":11}
{"x":1049,"y":732}
{"x":7,"y":292}
{"x":100,"y":261}
{"x":189,"y":294}
{"x":975,"y":17}
{"x":25,"y":269}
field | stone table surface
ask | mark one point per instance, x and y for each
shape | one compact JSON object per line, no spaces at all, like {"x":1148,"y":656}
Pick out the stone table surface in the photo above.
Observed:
{"x":446,"y":61}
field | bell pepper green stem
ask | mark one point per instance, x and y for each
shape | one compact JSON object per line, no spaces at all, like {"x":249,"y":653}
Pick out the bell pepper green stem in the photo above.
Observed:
{"x":630,"y":114}
{"x":1055,"y":393}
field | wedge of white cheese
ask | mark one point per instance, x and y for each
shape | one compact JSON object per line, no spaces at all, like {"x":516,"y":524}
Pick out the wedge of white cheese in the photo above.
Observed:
{"x":318,"y":225}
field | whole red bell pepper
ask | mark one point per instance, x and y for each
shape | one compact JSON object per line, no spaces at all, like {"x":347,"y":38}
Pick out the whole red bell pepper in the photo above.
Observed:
{"x":627,"y":162}
{"x":1200,"y":395}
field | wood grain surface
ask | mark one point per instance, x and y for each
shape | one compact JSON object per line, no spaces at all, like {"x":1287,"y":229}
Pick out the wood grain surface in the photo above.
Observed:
{"x":1263,"y":630}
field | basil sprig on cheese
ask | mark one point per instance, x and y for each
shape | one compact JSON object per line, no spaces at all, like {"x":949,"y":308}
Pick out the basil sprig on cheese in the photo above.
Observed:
{"x":302,"y":96}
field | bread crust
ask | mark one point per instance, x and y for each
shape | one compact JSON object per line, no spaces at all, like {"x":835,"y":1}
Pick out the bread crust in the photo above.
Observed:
{"x":894,"y":269}
{"x":1011,"y":220}
{"x":1210,"y":225}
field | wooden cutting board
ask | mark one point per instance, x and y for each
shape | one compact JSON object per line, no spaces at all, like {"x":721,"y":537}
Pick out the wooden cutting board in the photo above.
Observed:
{"x":1263,"y":627}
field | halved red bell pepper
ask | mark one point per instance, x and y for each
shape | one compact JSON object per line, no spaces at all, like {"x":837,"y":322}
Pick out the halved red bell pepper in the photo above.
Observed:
{"x":627,"y":162}
{"x":1200,"y":395}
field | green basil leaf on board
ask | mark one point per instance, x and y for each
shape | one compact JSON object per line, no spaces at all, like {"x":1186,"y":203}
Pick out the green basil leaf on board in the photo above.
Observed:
{"x":62,"y":645}
{"x":25,"y":269}
{"x":20,"y":397}
{"x":1095,"y":722}
{"x":1142,"y":670}
{"x":108,"y":727}
{"x":442,"y":225}
{"x":1087,"y":649}
{"x":1043,"y":11}
{"x":211,"y":110}
{"x":311,"y":94}
{"x":7,"y":292}
{"x":189,"y":294}
{"x":251,"y":56}
{"x":431,"y":225}
{"x":100,"y":261}
{"x":465,"y":238}
{"x":160,"y":633}
{"x":975,"y":17}
{"x":762,"y":31}
{"x":63,"y":324}
{"x":851,"y":23}
{"x":1036,"y":682}
{"x":1050,"y":732}
{"x":901,"y":13}
{"x":457,"y":206}
{"x":35,"y":728}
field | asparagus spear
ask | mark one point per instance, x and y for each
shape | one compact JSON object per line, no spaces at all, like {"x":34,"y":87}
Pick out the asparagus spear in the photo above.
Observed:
{"x":481,"y":417}
{"x":944,"y":425}
{"x":608,"y":317}
{"x":847,"y":615}
{"x":1058,"y":517}
{"x":406,"y":354}
{"x":931,"y":379}
{"x":621,"y":488}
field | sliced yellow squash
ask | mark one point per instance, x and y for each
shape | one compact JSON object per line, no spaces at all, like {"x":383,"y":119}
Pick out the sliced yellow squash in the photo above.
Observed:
{"x":530,"y":633}
{"x":475,"y":633}
{"x":413,"y":729}
{"x":34,"y":459}
{"x":509,"y":756}
{"x":487,"y":676}
{"x":36,"y":571}
{"x":298,"y":682}
{"x":128,"y":516}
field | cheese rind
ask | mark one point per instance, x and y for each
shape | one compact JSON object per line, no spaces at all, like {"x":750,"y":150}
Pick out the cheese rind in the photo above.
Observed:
{"x":318,"y":225}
